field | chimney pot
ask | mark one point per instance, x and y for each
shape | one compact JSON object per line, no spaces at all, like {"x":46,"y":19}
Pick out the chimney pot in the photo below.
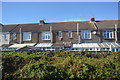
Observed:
{"x":92,"y":19}
{"x":42,"y":22}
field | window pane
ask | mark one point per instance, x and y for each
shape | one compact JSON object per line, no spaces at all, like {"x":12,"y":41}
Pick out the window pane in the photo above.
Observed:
{"x":60,"y":34}
{"x":108,"y":34}
{"x":82,"y":36}
{"x":5,"y":36}
{"x":70,"y":34}
{"x":14,"y":36}
{"x":86,"y":34}
{"x":45,"y":35}
{"x":26,"y":36}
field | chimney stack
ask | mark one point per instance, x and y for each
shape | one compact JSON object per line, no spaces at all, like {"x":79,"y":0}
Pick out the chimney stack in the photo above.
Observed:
{"x":92,"y":20}
{"x":42,"y":22}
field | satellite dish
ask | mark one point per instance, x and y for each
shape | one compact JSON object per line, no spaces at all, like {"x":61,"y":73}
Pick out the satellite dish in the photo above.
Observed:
{"x":94,"y":32}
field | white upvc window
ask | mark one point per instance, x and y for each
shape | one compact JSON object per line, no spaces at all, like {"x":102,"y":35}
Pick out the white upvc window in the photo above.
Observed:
{"x":5,"y":36}
{"x":14,"y":36}
{"x":60,"y":34}
{"x":45,"y":35}
{"x":86,"y":34}
{"x":108,"y":34}
{"x":70,"y":34}
{"x":26,"y":36}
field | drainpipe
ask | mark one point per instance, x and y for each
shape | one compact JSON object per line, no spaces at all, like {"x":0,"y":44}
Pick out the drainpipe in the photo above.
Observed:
{"x":51,"y":35}
{"x":110,"y":47}
{"x":100,"y":36}
{"x":38,"y":33}
{"x":20,"y":36}
{"x":78,"y":33}
{"x":1,"y":38}
{"x":116,"y":33}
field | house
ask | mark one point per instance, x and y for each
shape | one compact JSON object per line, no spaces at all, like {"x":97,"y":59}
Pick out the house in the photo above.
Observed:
{"x":74,"y":36}
{"x":5,"y":35}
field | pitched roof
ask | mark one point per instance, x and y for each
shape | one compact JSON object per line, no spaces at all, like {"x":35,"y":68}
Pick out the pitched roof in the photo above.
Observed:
{"x":8,"y":28}
{"x":83,"y":25}
{"x":55,"y":26}
{"x":27,"y":27}
{"x":107,"y":24}
{"x":67,"y":26}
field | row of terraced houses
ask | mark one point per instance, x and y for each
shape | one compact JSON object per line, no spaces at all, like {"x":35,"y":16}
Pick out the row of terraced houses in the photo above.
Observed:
{"x":92,"y":35}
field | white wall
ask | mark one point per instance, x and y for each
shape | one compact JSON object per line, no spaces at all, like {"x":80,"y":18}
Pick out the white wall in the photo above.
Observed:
{"x":2,"y":40}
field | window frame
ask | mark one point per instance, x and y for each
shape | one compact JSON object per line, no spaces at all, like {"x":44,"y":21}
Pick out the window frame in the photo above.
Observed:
{"x":107,"y":34}
{"x":14,"y":36}
{"x":83,"y":32}
{"x":60,"y":34}
{"x":46,"y":35}
{"x":24,"y":36}
{"x":69,"y":34}
{"x":5,"y":36}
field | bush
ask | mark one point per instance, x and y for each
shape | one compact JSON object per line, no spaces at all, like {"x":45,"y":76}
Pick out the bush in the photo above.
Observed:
{"x":39,"y":71}
{"x":67,"y":65}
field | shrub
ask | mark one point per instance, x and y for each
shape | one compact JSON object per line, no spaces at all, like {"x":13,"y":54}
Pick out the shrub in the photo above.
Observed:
{"x":67,"y":65}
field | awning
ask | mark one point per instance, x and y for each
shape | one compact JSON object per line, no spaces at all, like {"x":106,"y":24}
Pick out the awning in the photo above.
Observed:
{"x":21,"y":45}
{"x":86,"y":45}
{"x":108,"y":44}
{"x":43,"y":45}
{"x":97,"y":45}
{"x":27,"y":48}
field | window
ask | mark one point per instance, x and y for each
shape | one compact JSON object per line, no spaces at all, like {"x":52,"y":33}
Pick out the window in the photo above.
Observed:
{"x":60,"y":34}
{"x":69,"y":34}
{"x":45,"y":35}
{"x":14,"y":36}
{"x":5,"y":36}
{"x":108,"y":34}
{"x":86,"y":34}
{"x":26,"y":36}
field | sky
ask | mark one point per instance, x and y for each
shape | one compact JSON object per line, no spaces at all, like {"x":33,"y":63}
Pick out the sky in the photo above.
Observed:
{"x":32,"y":12}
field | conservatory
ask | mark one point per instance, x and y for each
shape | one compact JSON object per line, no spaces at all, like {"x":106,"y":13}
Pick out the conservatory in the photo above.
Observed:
{"x":106,"y":46}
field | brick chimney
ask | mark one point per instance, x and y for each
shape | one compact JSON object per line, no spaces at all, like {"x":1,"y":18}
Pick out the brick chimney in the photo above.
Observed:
{"x":42,"y":22}
{"x":92,"y":20}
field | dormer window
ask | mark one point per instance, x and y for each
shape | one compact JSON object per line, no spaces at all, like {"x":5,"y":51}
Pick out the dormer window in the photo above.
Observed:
{"x":86,"y":34}
{"x":108,"y":34}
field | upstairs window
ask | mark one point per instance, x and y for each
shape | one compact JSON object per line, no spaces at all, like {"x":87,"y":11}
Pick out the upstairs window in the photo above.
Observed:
{"x":14,"y":36}
{"x":60,"y":34}
{"x":26,"y":36}
{"x":108,"y":34}
{"x":45,"y":35}
{"x":70,"y":34}
{"x":86,"y":34}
